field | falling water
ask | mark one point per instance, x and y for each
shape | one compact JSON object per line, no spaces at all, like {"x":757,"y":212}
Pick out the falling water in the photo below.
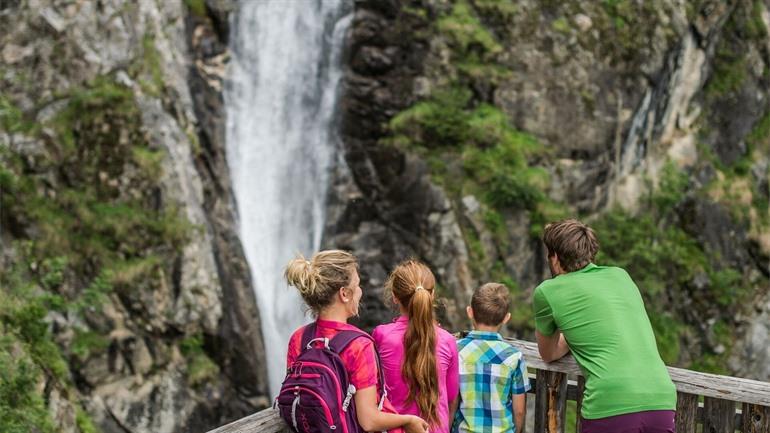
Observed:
{"x":281,"y":101}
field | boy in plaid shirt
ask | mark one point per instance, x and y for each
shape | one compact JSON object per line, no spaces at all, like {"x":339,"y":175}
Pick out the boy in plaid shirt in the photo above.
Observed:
{"x":493,"y":375}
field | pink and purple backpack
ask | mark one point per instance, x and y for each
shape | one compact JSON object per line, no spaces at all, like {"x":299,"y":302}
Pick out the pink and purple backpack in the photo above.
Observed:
{"x":316,"y":395}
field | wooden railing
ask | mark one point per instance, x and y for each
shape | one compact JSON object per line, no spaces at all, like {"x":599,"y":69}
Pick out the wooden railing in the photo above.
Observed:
{"x":728,"y":403}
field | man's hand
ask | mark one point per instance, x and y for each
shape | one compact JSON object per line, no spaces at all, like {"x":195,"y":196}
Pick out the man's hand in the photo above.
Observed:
{"x":551,"y":347}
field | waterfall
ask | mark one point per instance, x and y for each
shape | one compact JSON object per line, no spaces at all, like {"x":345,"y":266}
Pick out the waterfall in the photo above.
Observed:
{"x":281,"y":99}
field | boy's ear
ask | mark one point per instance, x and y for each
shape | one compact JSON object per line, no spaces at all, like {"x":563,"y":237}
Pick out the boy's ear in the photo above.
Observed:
{"x":469,"y":312}
{"x":506,"y":318}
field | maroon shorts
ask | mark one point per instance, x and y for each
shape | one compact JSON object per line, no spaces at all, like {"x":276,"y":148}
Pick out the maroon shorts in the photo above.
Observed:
{"x":649,"y":421}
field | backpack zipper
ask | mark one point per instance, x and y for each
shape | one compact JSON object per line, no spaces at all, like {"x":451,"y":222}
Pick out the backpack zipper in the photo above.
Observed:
{"x":294,"y":409}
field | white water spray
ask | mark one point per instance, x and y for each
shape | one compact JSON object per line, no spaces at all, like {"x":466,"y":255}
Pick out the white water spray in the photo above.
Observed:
{"x":281,"y":101}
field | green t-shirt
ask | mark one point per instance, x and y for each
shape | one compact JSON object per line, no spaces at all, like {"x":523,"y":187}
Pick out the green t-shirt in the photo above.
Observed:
{"x":601,"y":313}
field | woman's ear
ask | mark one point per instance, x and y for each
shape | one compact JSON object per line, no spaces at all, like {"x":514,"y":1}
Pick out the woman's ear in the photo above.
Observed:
{"x":344,"y":296}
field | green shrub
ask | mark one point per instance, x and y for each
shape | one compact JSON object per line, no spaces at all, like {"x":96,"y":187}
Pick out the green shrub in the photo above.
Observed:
{"x":200,"y":368}
{"x":438,"y":122}
{"x":22,"y":409}
{"x":474,"y":47}
{"x":467,"y":34}
{"x":197,"y":7}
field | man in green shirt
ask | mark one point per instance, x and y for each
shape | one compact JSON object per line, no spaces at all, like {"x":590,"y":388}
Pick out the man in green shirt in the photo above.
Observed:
{"x":597,"y":313}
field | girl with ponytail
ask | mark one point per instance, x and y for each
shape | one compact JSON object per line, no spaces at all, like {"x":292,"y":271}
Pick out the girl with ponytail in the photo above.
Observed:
{"x":418,"y":357}
{"x":330,"y":286}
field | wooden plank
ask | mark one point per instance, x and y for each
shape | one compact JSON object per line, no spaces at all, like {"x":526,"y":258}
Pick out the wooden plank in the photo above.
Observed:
{"x":581,"y":389}
{"x":541,"y":401}
{"x":550,"y":402}
{"x":756,"y":419}
{"x":686,"y":412}
{"x":266,"y":421}
{"x":718,"y":415}
{"x":691,"y":382}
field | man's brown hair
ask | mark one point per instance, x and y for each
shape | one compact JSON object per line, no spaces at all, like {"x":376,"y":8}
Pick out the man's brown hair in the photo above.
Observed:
{"x":490,"y":304}
{"x":573,"y":242}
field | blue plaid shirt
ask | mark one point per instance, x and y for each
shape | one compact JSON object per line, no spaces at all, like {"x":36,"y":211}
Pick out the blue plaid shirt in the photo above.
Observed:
{"x":491,"y":372}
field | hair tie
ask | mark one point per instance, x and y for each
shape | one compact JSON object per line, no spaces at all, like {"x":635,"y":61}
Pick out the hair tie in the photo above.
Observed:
{"x":419,"y":287}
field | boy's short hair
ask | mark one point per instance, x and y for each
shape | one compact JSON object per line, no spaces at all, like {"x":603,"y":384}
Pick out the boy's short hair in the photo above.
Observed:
{"x":490,"y":303}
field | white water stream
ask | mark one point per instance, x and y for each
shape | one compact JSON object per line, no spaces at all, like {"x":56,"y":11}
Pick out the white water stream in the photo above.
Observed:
{"x":281,"y":99}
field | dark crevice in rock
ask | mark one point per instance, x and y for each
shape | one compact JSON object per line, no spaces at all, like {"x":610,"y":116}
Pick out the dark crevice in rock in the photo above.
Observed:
{"x":237,"y":348}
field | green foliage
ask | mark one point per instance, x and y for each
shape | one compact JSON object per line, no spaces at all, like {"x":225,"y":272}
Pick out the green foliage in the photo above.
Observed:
{"x":671,"y":188}
{"x":668,"y":331}
{"x":87,"y":343}
{"x":503,"y":173}
{"x":728,"y":74}
{"x":197,"y":7}
{"x":759,"y":137}
{"x":657,"y":256}
{"x":494,"y":153}
{"x":625,"y":29}
{"x":561,"y":25}
{"x":474,"y":47}
{"x":12,"y":119}
{"x":755,"y":28}
{"x":502,"y":11}
{"x":200,"y":368}
{"x":467,"y":33}
{"x":22,"y":409}
{"x":83,"y":421}
{"x":151,"y":64}
{"x":437,"y":122}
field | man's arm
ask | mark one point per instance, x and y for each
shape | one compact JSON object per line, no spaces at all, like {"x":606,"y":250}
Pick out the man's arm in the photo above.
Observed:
{"x":552,"y":347}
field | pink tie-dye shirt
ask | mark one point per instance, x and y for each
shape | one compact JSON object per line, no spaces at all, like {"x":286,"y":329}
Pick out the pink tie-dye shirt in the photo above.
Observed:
{"x":390,"y":344}
{"x":359,"y":357}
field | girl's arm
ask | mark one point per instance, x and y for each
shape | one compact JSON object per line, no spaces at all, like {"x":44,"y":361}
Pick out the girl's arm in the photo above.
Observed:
{"x":453,"y":380}
{"x":372,"y":419}
{"x":453,"y":408}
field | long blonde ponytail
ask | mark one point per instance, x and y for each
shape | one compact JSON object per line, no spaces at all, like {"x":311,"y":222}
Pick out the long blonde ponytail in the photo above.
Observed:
{"x":412,"y":283}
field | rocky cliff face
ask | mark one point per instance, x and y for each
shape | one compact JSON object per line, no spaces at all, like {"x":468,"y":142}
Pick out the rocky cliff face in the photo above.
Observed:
{"x":467,"y":124}
{"x":127,"y":303}
{"x":118,"y":233}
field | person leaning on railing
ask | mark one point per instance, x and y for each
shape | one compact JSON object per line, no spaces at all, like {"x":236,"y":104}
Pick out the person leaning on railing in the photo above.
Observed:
{"x":598,"y":314}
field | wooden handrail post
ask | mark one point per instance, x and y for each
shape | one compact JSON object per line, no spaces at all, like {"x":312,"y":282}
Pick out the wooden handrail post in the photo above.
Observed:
{"x":550,"y":402}
{"x":756,"y":419}
{"x":581,"y":389}
{"x":686,"y":412}
{"x":718,"y":415}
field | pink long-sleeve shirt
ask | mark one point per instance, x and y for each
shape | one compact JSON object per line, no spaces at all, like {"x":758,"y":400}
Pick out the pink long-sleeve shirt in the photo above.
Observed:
{"x":389,"y":339}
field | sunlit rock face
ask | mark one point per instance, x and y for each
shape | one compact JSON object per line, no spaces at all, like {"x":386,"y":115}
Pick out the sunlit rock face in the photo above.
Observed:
{"x":172,"y":341}
{"x":627,"y":104}
{"x":461,"y":127}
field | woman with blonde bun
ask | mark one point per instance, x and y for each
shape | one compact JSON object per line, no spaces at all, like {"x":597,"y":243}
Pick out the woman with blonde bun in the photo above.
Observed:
{"x":329,"y":285}
{"x":419,"y":358}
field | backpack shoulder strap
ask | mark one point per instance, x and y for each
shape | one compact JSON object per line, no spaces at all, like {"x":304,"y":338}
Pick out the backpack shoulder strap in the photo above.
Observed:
{"x":340,"y":341}
{"x":343,"y":338}
{"x":307,"y":335}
